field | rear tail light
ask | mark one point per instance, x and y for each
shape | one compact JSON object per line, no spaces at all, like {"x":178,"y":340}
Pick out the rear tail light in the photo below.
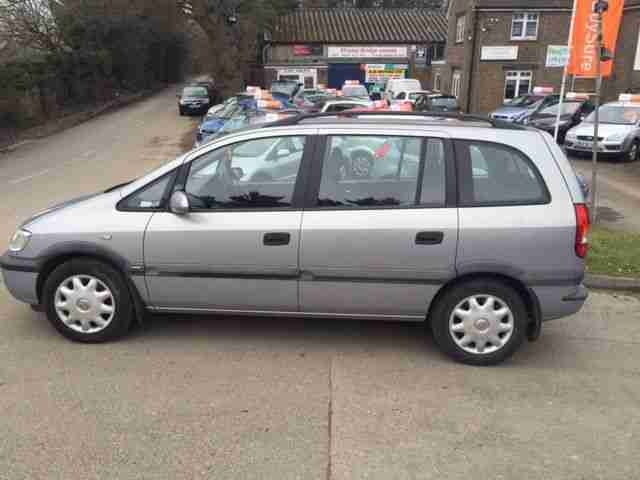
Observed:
{"x":582,"y":230}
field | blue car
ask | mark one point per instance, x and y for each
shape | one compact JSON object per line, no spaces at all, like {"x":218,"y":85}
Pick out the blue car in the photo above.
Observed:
{"x":213,"y":123}
{"x":519,"y":108}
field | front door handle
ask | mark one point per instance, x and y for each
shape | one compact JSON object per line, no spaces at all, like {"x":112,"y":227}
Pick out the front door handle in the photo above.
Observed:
{"x":429,"y":238}
{"x":276,"y":238}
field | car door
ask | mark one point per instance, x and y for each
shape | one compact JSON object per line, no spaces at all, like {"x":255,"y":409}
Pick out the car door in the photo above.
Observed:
{"x":237,"y":247}
{"x":379,"y":244}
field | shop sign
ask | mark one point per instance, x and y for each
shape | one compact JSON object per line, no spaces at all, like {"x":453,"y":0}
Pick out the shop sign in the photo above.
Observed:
{"x":367,"y":51}
{"x":506,"y":52}
{"x":307,"y":50}
{"x":381,"y":72}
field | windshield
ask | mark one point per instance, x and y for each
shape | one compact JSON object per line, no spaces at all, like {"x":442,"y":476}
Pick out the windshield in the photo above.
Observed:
{"x":523,"y":101}
{"x":354,"y":91}
{"x":616,"y":114}
{"x":286,"y":88}
{"x":447,"y":102}
{"x":199,"y":92}
{"x":568,"y":108}
{"x":415,"y":95}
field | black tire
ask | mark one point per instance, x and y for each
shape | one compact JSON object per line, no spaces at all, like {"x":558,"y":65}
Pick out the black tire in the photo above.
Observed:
{"x":181,"y":111}
{"x":442,"y":311}
{"x":111,"y":278}
{"x":634,"y":152}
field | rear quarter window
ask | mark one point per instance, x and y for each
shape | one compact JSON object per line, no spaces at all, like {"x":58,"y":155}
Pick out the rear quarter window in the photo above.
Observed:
{"x":494,"y":174}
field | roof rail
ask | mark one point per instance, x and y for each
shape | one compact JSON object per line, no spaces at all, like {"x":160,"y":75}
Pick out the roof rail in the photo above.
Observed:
{"x":296,"y":119}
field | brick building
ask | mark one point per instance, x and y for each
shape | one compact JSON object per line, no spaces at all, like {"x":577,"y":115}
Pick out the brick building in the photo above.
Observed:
{"x":328,"y":46}
{"x":498,"y":49}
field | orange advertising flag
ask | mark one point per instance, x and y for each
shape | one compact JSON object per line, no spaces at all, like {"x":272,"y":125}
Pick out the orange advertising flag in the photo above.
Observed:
{"x":583,"y":45}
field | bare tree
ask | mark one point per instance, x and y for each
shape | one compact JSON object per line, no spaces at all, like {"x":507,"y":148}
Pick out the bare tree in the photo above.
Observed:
{"x":30,"y":23}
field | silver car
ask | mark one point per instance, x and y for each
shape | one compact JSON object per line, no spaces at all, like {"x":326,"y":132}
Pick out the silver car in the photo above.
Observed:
{"x":476,"y":229}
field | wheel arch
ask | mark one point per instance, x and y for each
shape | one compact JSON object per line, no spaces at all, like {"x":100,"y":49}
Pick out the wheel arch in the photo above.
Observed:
{"x":64,"y":252}
{"x":529,"y":297}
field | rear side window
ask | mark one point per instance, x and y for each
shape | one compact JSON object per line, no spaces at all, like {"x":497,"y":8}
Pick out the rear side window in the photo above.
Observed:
{"x":495,"y":174}
{"x":381,"y":171}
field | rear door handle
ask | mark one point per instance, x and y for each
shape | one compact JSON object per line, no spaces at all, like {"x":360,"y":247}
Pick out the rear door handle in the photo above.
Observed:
{"x":429,"y":238}
{"x":276,"y":238}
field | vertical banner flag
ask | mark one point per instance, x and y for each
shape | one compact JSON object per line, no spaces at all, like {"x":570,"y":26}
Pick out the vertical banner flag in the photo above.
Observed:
{"x":583,"y":46}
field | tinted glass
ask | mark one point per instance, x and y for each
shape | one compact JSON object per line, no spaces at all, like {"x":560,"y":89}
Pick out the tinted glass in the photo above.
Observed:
{"x":254,"y":174}
{"x":152,"y":195}
{"x":493,"y":174}
{"x":369,"y":171}
{"x":195,"y":92}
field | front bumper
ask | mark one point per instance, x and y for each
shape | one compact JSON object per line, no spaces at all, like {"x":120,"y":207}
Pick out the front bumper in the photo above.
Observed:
{"x":21,"y":277}
{"x":586,"y":146}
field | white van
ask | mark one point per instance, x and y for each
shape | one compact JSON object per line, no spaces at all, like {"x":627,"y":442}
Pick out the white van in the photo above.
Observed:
{"x":396,"y":85}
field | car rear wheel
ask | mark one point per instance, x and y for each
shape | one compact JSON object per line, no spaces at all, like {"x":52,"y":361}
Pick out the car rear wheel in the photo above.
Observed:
{"x":481,"y":322}
{"x":87,"y":301}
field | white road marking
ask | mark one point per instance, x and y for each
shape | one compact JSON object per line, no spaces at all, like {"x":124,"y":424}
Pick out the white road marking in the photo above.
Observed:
{"x":29,"y":177}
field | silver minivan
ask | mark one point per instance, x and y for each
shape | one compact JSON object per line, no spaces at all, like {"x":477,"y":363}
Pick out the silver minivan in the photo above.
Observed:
{"x":474,"y":227}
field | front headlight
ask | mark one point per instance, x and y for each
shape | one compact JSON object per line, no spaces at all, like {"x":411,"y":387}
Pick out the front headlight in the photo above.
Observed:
{"x":571,"y":135}
{"x":19,"y":240}
{"x":616,"y":137}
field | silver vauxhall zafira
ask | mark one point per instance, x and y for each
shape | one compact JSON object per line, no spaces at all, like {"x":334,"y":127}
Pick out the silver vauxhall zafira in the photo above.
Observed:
{"x":477,"y":228}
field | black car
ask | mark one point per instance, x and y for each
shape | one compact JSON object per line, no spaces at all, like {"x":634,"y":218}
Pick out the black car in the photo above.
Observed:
{"x":573,"y":112}
{"x":194,"y":99}
{"x":214,"y":94}
{"x":437,"y":102}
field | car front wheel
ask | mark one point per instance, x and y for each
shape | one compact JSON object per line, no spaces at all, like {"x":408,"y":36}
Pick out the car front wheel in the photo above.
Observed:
{"x":634,"y":152}
{"x":88,"y":301}
{"x":481,"y":322}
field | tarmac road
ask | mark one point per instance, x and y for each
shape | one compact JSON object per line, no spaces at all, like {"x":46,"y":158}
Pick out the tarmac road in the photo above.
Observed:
{"x":252,"y":398}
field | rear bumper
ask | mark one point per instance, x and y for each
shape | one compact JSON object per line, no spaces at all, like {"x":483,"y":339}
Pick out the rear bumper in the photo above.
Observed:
{"x":560,"y":301}
{"x":21,"y":277}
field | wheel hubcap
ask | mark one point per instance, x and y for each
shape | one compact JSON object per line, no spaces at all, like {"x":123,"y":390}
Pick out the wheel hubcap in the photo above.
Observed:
{"x":84,"y":304}
{"x":633,"y":153}
{"x":481,"y":324}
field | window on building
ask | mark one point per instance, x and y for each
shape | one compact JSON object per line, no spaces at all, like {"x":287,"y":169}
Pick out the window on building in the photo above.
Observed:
{"x":456,"y":81}
{"x":524,"y":26}
{"x":517,"y":82}
{"x":435,"y":53}
{"x":460,"y":24}
{"x":437,"y":82}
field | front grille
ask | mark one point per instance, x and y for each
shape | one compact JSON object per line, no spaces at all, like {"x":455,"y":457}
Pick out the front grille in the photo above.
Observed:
{"x":589,"y":138}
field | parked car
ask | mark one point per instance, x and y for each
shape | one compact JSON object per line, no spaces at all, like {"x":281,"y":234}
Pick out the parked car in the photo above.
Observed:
{"x":214,"y":94}
{"x":285,"y":91}
{"x":483,"y":241}
{"x":409,"y":95}
{"x":573,"y":112}
{"x":396,"y":85}
{"x":355,"y":90}
{"x":194,"y":99}
{"x":308,"y":98}
{"x":618,"y":132}
{"x":340,"y":104}
{"x":523,"y":106}
{"x":437,"y":102}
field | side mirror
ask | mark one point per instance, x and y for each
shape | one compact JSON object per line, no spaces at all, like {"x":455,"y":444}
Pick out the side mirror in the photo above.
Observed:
{"x":179,"y":203}
{"x":283,"y":152}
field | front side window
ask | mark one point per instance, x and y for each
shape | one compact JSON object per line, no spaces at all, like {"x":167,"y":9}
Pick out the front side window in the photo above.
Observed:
{"x":400,"y":96}
{"x":150,"y":197}
{"x":524,"y":26}
{"x":494,"y":174}
{"x":380,"y":171}
{"x":254,"y":174}
{"x":517,"y":83}
{"x":460,"y":25}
